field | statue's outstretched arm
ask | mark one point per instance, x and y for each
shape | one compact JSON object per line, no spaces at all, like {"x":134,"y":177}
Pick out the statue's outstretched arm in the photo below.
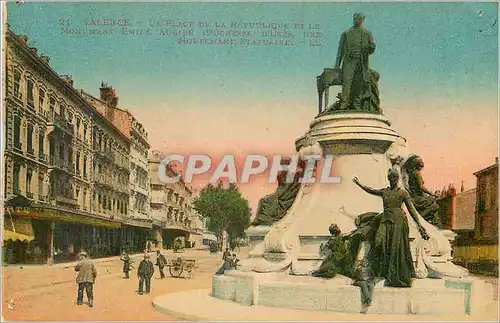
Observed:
{"x":414,"y":214}
{"x":367,"y":189}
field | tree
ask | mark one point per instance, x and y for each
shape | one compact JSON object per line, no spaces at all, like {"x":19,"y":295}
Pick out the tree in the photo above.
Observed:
{"x":225,"y":209}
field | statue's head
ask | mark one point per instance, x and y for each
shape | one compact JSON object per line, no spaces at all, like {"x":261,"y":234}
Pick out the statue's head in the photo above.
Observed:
{"x":419,"y":162}
{"x":393,"y":177}
{"x":358,"y":19}
{"x":334,"y":229}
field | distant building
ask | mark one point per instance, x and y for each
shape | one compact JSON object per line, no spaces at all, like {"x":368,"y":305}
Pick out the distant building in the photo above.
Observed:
{"x":75,"y":166}
{"x":57,"y":199}
{"x":486,"y":229}
{"x":473,"y":215}
{"x":138,"y":217}
{"x":457,"y":209}
{"x":171,"y":207}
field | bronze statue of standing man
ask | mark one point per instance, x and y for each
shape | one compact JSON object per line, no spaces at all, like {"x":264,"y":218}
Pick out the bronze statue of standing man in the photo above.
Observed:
{"x":356,"y":45}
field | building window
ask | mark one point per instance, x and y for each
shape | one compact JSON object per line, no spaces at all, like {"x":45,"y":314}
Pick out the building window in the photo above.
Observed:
{"x":40,"y":186}
{"x":78,"y":126}
{"x":52,"y":104}
{"x":61,"y":152}
{"x":84,"y":131}
{"x":62,"y":111}
{"x":17,"y":131}
{"x":41,"y":142}
{"x":31,"y":101}
{"x":15,"y":180}
{"x":77,"y":162}
{"x":84,"y":202}
{"x":85,"y":166}
{"x":29,"y":174}
{"x":17,"y":85}
{"x":70,"y":155}
{"x":30,"y":139}
{"x":41,"y":99}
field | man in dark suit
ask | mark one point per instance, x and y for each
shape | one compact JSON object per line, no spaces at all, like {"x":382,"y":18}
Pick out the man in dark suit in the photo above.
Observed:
{"x":356,"y":45}
{"x":161,"y":261}
{"x":85,"y":278}
{"x":144,"y":273}
{"x":126,"y":264}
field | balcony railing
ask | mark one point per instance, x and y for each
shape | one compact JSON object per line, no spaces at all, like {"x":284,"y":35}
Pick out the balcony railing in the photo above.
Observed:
{"x":43,"y":157}
{"x":29,"y":195}
{"x":60,"y":122}
{"x":105,"y":153}
{"x":18,"y":96}
{"x":31,"y":151}
{"x":31,"y":104}
{"x":61,"y":164}
{"x":18,"y":146}
{"x":106,"y":180}
{"x":16,"y":191}
{"x":66,"y":200}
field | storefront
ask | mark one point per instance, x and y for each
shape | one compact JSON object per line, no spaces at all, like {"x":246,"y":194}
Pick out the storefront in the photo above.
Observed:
{"x":173,"y":232}
{"x":21,"y":245}
{"x":135,"y":233}
{"x":71,"y":238}
{"x":46,"y":234}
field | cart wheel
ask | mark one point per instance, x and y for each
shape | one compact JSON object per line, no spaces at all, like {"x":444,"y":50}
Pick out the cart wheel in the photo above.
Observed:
{"x":189,"y":269}
{"x":175,"y":270}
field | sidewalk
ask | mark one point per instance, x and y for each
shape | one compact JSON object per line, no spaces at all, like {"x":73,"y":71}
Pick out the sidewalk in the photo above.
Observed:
{"x":73,"y":263}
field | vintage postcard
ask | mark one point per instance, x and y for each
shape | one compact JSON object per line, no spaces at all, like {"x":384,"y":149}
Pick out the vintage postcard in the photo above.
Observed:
{"x":249,"y":161}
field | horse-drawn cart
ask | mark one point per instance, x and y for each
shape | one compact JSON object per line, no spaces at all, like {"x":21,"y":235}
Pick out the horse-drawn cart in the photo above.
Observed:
{"x":179,"y":265}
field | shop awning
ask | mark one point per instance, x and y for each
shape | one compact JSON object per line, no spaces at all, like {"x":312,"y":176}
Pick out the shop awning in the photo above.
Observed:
{"x":9,"y":235}
{"x":17,"y":228}
{"x":208,"y":236}
{"x":53,"y":214}
{"x":143,"y":223}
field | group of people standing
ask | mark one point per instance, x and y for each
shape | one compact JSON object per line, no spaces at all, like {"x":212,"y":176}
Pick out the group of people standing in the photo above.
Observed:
{"x":87,"y":274}
{"x":145,"y":270}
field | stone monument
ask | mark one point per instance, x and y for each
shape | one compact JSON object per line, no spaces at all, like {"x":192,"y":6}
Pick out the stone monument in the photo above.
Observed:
{"x":286,"y":249}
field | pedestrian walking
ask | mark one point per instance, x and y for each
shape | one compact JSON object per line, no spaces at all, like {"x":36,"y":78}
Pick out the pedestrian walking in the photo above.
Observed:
{"x":226,"y":254}
{"x":161,"y":261}
{"x":126,"y":264}
{"x":85,"y":278}
{"x":144,"y":273}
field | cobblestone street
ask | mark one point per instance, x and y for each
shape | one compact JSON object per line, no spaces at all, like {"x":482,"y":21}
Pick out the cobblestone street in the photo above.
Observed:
{"x":43,"y":293}
{"x":49,"y":293}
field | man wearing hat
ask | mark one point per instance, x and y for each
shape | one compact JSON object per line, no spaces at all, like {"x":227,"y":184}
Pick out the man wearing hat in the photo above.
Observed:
{"x":85,"y":278}
{"x":126,"y":264}
{"x":144,"y":273}
{"x":161,"y":261}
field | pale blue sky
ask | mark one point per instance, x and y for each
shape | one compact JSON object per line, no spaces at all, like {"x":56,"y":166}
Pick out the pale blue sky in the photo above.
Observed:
{"x":438,"y":75}
{"x":434,"y":47}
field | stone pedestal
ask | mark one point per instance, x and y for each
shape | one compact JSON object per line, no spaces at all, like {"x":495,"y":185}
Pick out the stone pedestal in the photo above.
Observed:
{"x":361,"y":145}
{"x":449,"y":296}
{"x":358,"y":143}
